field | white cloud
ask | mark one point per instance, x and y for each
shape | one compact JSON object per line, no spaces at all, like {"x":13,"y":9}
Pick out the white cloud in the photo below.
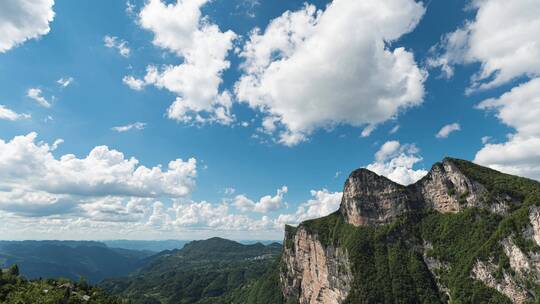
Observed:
{"x":32,"y":179}
{"x":56,"y":144}
{"x":367,"y":131}
{"x":265,"y":204}
{"x":21,"y":20}
{"x":114,"y":42}
{"x":447,"y":129}
{"x":134,"y":126}
{"x":485,"y":139}
{"x":65,"y":81}
{"x":503,"y":38}
{"x":396,"y":162}
{"x":111,"y":209}
{"x":394,"y":129}
{"x":130,"y":7}
{"x":206,"y":216}
{"x":159,"y":217}
{"x":248,"y":7}
{"x":520,"y":109}
{"x":229,"y":191}
{"x":311,"y":69}
{"x":35,"y":94}
{"x":134,"y":83}
{"x":322,"y":204}
{"x":203,"y":49}
{"x":8,"y":114}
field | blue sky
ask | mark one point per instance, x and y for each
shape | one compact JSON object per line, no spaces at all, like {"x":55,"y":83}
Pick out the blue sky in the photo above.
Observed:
{"x":298,"y":131}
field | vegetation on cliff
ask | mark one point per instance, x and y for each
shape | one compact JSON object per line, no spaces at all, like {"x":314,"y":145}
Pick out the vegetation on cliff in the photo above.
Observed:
{"x":389,"y":261}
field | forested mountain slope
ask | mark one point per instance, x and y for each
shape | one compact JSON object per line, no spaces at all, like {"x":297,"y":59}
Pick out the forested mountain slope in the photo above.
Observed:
{"x":464,"y":234}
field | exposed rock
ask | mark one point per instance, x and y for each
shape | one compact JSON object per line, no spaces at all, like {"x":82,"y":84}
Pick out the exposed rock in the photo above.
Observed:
{"x":447,"y":189}
{"x":534,"y":217}
{"x":314,"y":273}
{"x":519,"y":262}
{"x":435,"y":267}
{"x":370,"y":199}
{"x":483,"y":271}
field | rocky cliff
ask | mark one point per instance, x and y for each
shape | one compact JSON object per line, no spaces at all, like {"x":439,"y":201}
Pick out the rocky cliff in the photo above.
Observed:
{"x":415,"y":243}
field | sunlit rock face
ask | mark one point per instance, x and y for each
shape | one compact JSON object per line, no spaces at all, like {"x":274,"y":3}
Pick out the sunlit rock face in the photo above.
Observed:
{"x":371,"y":199}
{"x":447,"y":189}
{"x":314,"y":273}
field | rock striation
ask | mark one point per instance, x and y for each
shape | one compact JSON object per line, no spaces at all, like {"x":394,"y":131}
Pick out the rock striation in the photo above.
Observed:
{"x":314,"y":273}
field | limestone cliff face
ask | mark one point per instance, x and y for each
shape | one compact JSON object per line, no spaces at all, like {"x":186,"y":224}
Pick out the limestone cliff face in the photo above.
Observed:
{"x":370,"y":199}
{"x":314,"y":273}
{"x":484,"y":272}
{"x":447,"y":189}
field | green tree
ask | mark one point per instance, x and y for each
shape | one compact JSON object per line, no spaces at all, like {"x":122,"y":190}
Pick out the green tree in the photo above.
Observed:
{"x":14,"y":270}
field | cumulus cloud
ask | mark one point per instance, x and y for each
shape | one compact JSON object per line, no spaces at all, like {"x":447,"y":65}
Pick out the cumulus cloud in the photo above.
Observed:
{"x":121,"y":45}
{"x":203,"y":48}
{"x":265,"y":204}
{"x":204,"y":215}
{"x":134,"y":83}
{"x":31,"y":176}
{"x":322,"y":203}
{"x":21,"y":20}
{"x":503,"y":38}
{"x":7,"y":114}
{"x":396,"y":162}
{"x":36,"y":95}
{"x":447,"y":129}
{"x":133,"y":126}
{"x":314,"y":69}
{"x":520,"y":109}
{"x":112,"y":209}
{"x":65,"y":81}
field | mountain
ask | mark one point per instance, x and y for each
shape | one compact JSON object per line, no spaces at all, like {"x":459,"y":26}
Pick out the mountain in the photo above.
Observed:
{"x":70,"y":259}
{"x":208,"y":271}
{"x":154,"y":246}
{"x":462,"y":234}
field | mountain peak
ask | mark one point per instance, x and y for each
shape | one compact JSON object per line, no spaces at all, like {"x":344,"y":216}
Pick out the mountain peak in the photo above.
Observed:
{"x":450,"y":186}
{"x":369,"y":198}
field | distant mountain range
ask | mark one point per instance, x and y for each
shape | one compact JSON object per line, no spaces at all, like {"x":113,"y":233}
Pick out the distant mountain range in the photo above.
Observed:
{"x":154,"y":246}
{"x":70,"y":259}
{"x":210,"y":271}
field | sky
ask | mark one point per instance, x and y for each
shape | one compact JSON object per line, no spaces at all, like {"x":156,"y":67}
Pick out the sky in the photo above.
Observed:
{"x":187,"y":119}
